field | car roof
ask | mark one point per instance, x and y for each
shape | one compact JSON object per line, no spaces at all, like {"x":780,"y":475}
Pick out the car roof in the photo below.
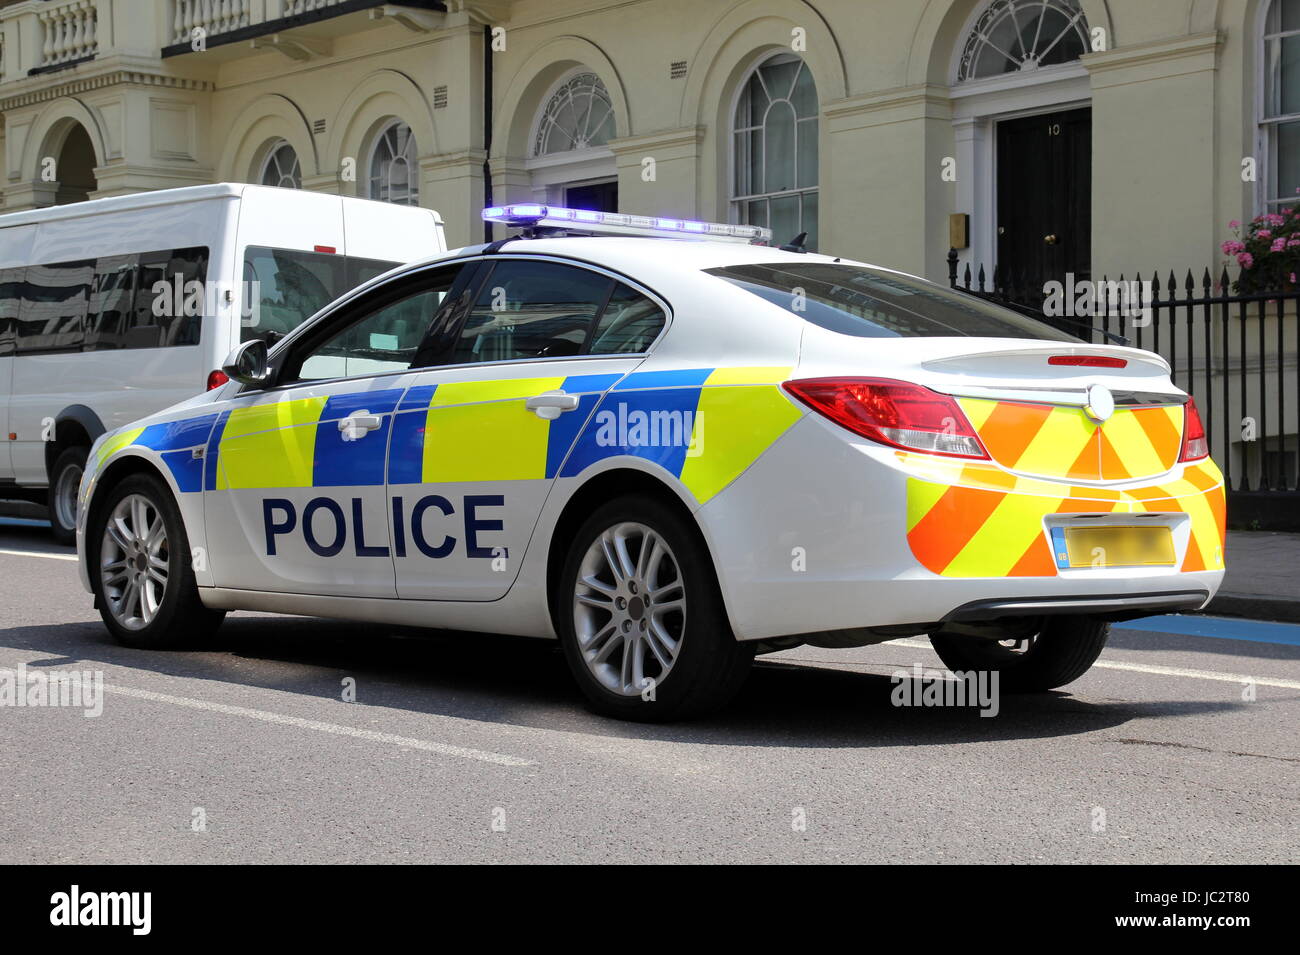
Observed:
{"x":644,"y":258}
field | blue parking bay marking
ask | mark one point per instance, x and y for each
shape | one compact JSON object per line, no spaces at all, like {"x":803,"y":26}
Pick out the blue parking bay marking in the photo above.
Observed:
{"x":1222,"y":628}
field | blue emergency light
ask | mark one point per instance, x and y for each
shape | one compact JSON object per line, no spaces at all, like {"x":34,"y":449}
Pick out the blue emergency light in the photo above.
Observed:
{"x":532,"y":215}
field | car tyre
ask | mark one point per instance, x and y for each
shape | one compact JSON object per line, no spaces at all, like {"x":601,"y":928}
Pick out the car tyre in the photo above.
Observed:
{"x":637,"y":600}
{"x":1060,"y":652}
{"x":65,"y":483}
{"x":140,"y":568}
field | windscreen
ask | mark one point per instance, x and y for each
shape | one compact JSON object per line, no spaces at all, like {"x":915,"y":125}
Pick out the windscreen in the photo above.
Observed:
{"x":868,"y":303}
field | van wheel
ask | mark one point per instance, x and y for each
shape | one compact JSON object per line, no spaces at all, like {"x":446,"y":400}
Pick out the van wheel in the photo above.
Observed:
{"x":65,"y":481}
{"x":1056,"y":652}
{"x":641,"y":619}
{"x":139,"y":559}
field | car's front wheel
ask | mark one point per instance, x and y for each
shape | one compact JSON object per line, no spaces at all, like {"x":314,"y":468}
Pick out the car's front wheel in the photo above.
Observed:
{"x":1034,"y":658}
{"x":641,"y":619}
{"x":141,"y":571}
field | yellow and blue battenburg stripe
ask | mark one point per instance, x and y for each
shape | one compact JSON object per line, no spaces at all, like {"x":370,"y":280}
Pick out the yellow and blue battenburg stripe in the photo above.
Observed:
{"x":702,"y":425}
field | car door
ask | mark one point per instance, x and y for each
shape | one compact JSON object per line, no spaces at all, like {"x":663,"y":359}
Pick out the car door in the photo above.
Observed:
{"x":483,"y":431}
{"x":295,"y":484}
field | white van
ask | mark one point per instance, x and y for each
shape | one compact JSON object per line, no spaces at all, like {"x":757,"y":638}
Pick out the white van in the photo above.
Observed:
{"x":115,"y":308}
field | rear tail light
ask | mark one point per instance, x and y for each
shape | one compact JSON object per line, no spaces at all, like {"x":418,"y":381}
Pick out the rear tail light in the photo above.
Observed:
{"x":1088,"y":361}
{"x":896,"y":413}
{"x":217,"y":378}
{"x":1195,"y":445}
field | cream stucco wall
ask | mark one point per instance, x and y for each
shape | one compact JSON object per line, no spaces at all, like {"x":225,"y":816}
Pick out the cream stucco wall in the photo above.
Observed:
{"x":1173,"y":101}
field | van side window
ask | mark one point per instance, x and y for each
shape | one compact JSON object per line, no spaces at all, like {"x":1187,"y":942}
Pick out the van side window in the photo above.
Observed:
{"x":53,"y":312}
{"x":112,"y":301}
{"x":170,"y":299}
{"x":629,"y":324}
{"x":531,"y":310}
{"x":11,"y":297}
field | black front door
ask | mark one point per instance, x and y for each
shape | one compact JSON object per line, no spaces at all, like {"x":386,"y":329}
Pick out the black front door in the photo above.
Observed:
{"x":1044,"y":225}
{"x":598,"y":197}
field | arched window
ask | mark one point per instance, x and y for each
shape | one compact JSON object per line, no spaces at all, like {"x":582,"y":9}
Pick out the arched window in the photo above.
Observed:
{"x":281,"y":167}
{"x":1012,"y":36}
{"x":1280,"y":112}
{"x":394,"y":173}
{"x":774,"y":147}
{"x":578,"y":115}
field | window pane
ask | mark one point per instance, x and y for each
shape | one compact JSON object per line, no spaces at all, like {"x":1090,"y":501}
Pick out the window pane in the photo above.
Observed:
{"x":778,"y":76}
{"x":169,"y":300}
{"x":756,"y":98}
{"x":11,"y":298}
{"x":54,"y":306}
{"x":778,"y":149}
{"x":531,"y":310}
{"x":807,"y":158}
{"x":1288,"y":92}
{"x":112,"y":301}
{"x":628,"y":325}
{"x":865,"y":303}
{"x":384,"y":341}
{"x":1287,"y":160}
{"x":1289,"y":13}
{"x":808,"y":222}
{"x":805,"y":93}
{"x":756,"y":212}
{"x":785,"y":219}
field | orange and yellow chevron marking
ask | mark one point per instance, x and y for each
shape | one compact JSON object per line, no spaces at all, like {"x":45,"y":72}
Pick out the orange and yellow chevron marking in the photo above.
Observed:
{"x":1062,"y":442}
{"x":974,"y":520}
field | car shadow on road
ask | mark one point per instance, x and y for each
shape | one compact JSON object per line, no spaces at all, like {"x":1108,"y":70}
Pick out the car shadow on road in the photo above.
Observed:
{"x":522,"y":682}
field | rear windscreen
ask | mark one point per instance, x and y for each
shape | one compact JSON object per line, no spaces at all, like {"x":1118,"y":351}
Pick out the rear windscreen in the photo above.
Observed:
{"x":284,"y":287}
{"x":867,"y":303}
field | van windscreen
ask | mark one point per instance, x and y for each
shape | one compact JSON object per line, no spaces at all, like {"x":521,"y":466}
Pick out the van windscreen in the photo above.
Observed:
{"x":282,"y":288}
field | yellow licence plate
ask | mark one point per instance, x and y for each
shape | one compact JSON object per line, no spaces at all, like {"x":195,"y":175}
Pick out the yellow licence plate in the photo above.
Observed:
{"x":1119,"y":546}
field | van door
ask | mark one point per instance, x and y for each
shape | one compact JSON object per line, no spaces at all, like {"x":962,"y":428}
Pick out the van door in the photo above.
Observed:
{"x":482,"y":434}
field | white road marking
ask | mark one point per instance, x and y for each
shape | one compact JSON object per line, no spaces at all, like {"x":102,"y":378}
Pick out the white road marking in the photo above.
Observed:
{"x":37,"y":553}
{"x":428,"y":746}
{"x":1152,"y":668}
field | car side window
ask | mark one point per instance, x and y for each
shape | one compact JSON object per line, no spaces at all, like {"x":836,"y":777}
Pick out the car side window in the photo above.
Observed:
{"x":630,"y":323}
{"x":531,"y":310}
{"x":379,"y":339}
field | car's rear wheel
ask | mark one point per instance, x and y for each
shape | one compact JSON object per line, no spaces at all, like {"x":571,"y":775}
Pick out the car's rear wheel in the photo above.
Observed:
{"x":65,"y":483}
{"x":1042,"y":656}
{"x":140,"y":568}
{"x":641,"y":618}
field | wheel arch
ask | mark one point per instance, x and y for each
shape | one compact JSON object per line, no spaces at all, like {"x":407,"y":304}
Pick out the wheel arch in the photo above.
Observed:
{"x":603,"y":486}
{"x":74,"y":425}
{"x":124,"y":464}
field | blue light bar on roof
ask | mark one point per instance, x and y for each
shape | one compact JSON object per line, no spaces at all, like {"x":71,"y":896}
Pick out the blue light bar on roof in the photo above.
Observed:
{"x":535,"y":215}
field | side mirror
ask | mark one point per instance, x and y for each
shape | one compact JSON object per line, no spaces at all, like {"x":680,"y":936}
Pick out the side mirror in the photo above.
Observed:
{"x":246,"y":364}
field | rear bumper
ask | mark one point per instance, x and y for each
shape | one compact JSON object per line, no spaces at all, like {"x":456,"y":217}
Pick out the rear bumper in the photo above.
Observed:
{"x":853,"y":536}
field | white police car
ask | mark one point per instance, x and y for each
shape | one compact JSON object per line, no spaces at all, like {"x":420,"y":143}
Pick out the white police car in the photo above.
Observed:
{"x":669,"y":454}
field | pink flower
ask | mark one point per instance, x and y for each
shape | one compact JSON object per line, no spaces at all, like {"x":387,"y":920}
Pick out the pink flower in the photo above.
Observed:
{"x":1275,"y":219}
{"x":1264,"y":234}
{"x":1292,"y":243}
{"x":1234,"y":224}
{"x":1292,"y":278}
{"x":1232,"y":247}
{"x":1279,"y":244}
{"x":1246,"y":260}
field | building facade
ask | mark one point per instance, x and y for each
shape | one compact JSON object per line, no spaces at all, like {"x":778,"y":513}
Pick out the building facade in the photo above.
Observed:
{"x":1045,"y":137}
{"x":1089,"y":136}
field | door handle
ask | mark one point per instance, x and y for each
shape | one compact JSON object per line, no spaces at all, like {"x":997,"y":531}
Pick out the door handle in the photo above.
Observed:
{"x":355,"y":425}
{"x":549,"y":405}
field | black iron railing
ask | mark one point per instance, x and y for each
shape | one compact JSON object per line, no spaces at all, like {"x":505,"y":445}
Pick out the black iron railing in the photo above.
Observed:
{"x":1236,"y":354}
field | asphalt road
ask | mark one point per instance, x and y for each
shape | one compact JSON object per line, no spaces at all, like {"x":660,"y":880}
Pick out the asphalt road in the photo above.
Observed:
{"x":471,"y":748}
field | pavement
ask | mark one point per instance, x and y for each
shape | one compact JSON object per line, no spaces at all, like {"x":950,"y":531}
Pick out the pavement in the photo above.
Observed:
{"x":1263,"y":579}
{"x":1178,"y":746}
